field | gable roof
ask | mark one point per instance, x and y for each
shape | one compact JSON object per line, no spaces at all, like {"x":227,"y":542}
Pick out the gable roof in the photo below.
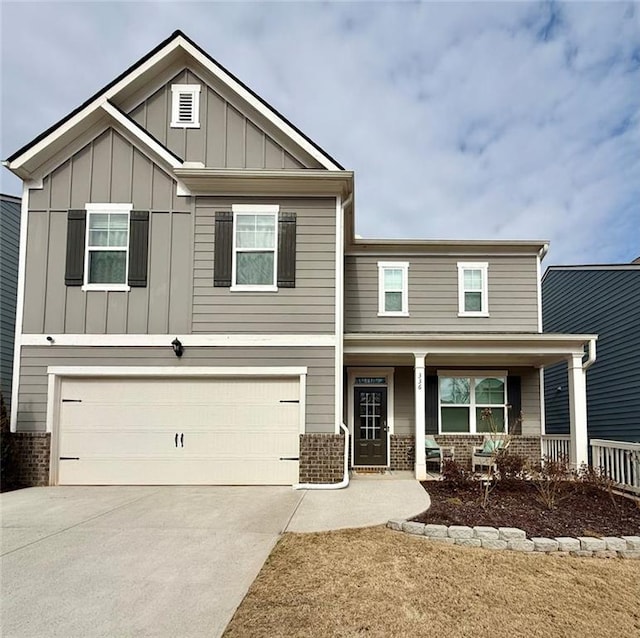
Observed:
{"x":177,"y":40}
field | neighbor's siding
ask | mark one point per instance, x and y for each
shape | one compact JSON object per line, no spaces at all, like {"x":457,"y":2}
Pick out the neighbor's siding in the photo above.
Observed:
{"x":433,"y":296}
{"x":404,"y":410}
{"x":308,"y":308}
{"x":226,"y":137}
{"x":9,"y":253}
{"x":607,"y":303}
{"x":35,"y":359}
{"x":108,"y":169}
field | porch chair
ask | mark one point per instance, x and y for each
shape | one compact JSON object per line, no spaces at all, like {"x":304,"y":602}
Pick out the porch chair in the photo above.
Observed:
{"x":436,"y":453}
{"x":484,"y":455}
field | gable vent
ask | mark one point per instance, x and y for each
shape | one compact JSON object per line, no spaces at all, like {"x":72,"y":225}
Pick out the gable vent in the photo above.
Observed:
{"x":185,"y":105}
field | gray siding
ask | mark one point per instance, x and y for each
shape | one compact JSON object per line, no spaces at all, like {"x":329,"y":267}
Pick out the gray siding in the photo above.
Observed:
{"x":34,"y":361}
{"x":9,"y":253}
{"x":108,"y":169}
{"x":226,"y":137}
{"x":433,"y":296}
{"x":607,"y":303}
{"x":404,"y":410}
{"x":307,"y":308}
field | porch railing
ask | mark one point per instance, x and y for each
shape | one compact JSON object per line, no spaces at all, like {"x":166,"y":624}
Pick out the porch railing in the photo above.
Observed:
{"x":555,"y":446}
{"x":620,"y":461}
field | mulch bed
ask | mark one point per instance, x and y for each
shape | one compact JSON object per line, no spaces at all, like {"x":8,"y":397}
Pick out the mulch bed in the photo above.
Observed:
{"x":584,"y":510}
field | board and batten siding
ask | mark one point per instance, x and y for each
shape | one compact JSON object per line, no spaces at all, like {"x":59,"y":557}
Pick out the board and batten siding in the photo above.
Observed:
{"x":433,"y":295}
{"x":309,"y":308}
{"x":320,"y":395}
{"x":605,"y":302}
{"x":9,"y":252}
{"x":226,"y":138}
{"x":108,"y":170}
{"x":404,"y":406}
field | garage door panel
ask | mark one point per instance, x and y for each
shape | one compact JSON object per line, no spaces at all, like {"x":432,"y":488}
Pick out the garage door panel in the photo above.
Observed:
{"x":235,"y":431}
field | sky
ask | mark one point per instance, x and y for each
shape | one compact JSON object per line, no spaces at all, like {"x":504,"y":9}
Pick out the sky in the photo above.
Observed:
{"x":461,"y":120}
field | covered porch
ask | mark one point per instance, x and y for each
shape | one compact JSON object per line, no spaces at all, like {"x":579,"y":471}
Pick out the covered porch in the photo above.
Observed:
{"x":401,"y":388}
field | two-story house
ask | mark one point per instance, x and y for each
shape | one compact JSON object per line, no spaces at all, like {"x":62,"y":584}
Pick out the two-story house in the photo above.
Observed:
{"x":194,"y":306}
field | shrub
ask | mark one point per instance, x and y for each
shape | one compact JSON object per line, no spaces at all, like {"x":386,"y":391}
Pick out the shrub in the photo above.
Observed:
{"x":550,"y":479}
{"x":510,"y":466}
{"x":454,"y":474}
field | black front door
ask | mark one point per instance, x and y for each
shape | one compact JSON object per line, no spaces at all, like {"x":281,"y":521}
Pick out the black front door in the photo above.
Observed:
{"x":370,"y":426}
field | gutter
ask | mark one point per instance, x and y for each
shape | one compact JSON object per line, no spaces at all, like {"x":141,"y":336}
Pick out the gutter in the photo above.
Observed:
{"x":332,"y":486}
{"x":592,"y":355}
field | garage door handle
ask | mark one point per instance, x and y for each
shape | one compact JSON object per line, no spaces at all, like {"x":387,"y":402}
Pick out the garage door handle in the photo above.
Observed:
{"x":69,"y":458}
{"x":176,"y":439}
{"x":289,"y":458}
{"x":182,"y":440}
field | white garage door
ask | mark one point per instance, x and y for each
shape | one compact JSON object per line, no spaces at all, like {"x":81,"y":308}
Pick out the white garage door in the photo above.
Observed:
{"x":179,"y":431}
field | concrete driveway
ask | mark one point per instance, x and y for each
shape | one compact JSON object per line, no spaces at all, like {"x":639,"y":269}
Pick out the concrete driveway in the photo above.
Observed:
{"x":158,"y":561}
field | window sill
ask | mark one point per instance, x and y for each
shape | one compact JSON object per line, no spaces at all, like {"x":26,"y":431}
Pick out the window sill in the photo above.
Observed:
{"x":254,"y":288}
{"x":185,"y":124}
{"x":393,"y":314}
{"x":106,"y":287}
{"x":473,"y":314}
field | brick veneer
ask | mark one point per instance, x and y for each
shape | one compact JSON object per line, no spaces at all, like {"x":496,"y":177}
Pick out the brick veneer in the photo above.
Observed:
{"x":321,"y":458}
{"x":31,"y":454}
{"x":527,"y":446}
{"x":402,"y":452}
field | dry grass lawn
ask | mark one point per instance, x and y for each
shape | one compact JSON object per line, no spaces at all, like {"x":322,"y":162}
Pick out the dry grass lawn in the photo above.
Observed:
{"x":375,"y":582}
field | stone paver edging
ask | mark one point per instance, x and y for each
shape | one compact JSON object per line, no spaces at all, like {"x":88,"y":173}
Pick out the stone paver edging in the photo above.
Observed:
{"x":514,"y":539}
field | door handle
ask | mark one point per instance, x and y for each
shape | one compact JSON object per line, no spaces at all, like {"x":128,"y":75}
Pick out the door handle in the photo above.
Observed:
{"x":176,"y":439}
{"x":181,"y":440}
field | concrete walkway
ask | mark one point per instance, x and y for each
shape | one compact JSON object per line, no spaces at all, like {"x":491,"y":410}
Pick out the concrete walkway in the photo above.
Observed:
{"x":159,"y":561}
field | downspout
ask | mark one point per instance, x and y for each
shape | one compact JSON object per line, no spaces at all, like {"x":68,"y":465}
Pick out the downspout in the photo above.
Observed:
{"x":592,"y":355}
{"x":332,"y":486}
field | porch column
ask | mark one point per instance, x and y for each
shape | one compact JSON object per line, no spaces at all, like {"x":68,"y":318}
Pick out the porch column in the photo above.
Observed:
{"x":419,"y":393}
{"x":579,"y":444}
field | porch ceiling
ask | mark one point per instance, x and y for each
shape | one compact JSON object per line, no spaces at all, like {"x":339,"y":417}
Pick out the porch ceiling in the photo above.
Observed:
{"x":464,"y":349}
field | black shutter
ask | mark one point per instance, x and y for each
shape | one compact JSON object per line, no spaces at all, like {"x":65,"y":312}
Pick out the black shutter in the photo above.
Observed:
{"x":431,"y":405}
{"x":138,"y":247}
{"x":222,"y":250}
{"x":287,"y":250}
{"x":514,"y":396}
{"x":74,"y":269}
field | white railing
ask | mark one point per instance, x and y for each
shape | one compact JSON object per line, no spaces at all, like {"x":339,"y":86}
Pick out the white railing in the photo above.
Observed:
{"x":620,"y":461}
{"x":555,"y":446}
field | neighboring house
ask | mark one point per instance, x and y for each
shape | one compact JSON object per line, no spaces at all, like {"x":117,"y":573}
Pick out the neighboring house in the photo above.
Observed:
{"x":194,"y":306}
{"x":604,"y":299}
{"x":9,"y":249}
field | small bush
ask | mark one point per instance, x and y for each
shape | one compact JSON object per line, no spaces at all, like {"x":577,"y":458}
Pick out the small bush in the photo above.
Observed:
{"x":454,"y":474}
{"x":550,"y":479}
{"x":510,"y":466}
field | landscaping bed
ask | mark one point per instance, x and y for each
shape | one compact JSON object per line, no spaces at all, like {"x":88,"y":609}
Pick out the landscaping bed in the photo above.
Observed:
{"x":581,"y":509}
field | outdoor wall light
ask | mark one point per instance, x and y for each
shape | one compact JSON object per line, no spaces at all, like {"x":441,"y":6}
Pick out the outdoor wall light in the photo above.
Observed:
{"x":50,"y":340}
{"x":177,"y":347}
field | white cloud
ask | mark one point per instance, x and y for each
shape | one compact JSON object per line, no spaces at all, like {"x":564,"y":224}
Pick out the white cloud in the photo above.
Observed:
{"x":462,"y":120}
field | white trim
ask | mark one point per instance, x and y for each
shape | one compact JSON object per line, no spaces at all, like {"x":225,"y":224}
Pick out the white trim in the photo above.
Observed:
{"x":17,"y":346}
{"x":192,"y":340}
{"x":53,"y":418}
{"x":178,"y":42}
{"x":420,"y":392}
{"x":255,"y":209}
{"x":388,"y":373}
{"x":339,"y":317}
{"x":543,"y":416}
{"x":142,"y":136}
{"x":93,"y":209}
{"x":193,"y":91}
{"x":177,"y":371}
{"x":539,"y":292}
{"x":397,"y":265}
{"x":472,"y":373}
{"x":303,"y":402}
{"x":484,"y":308}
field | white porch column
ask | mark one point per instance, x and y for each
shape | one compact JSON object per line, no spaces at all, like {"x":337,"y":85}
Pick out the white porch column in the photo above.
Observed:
{"x":579,"y":444}
{"x":419,"y":393}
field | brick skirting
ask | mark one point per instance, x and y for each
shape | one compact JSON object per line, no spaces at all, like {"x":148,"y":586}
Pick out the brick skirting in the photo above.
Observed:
{"x":321,"y":458}
{"x":527,"y":446}
{"x":30,"y":458}
{"x":402,"y":452}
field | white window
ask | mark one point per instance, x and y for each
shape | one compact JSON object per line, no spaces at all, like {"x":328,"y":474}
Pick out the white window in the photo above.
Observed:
{"x":255,"y":247}
{"x":107,"y":247}
{"x":185,"y":106}
{"x":472,"y":403}
{"x":473,"y":297}
{"x":393,"y":289}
